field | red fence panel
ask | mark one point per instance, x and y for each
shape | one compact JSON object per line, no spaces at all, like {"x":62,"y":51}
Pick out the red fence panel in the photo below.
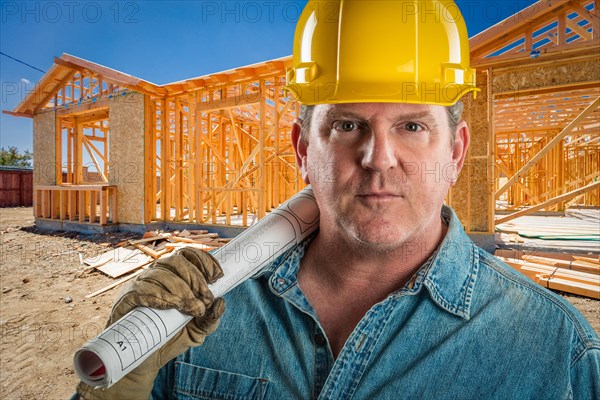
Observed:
{"x":16,"y":187}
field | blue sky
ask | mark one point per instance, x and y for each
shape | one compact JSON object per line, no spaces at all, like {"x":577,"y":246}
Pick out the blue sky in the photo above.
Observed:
{"x":158,"y":41}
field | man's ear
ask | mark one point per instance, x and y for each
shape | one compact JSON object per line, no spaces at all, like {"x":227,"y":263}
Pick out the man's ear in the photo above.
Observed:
{"x":300,"y":148}
{"x":462,"y":139}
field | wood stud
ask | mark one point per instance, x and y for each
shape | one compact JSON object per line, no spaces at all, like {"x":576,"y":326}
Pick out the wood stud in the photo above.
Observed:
{"x":228,"y":143}
{"x":544,"y":100}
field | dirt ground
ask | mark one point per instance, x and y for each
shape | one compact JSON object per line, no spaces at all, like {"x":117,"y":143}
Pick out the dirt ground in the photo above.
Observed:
{"x":44,"y":315}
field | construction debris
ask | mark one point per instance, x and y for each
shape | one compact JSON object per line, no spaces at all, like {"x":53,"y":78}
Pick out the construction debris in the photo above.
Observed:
{"x":115,"y":284}
{"x":156,"y":244}
{"x":136,"y":255}
{"x":570,"y":273}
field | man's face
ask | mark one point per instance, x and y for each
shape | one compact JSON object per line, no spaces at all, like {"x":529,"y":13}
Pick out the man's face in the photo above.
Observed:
{"x":380,"y":171}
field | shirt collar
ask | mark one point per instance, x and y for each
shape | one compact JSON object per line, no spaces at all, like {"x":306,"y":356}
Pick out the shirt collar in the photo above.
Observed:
{"x":283,"y":270}
{"x":449,"y":274}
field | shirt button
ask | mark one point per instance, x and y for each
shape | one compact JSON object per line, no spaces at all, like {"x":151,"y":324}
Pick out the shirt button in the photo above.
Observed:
{"x":319,"y":339}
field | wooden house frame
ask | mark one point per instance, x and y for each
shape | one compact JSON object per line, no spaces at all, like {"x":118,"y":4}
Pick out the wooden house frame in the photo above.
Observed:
{"x":199,"y":151}
{"x":216,"y":149}
{"x":540,"y":74}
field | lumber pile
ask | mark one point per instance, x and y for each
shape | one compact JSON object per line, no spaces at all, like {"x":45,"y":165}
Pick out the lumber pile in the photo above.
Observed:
{"x":566,"y":234}
{"x":569,"y":273}
{"x":552,"y":228}
{"x":133,"y":256}
{"x":585,"y":214}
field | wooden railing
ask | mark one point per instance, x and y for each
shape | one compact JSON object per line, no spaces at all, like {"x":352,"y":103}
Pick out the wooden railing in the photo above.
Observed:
{"x":79,"y":203}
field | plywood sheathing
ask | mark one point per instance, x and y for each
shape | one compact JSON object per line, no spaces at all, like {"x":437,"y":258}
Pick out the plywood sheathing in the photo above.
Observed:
{"x":126,"y":164}
{"x":536,"y":76}
{"x":472,"y":196}
{"x":44,"y":155}
{"x":44,"y":148}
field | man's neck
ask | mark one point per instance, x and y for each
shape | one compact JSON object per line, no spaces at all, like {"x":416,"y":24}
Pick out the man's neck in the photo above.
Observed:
{"x":341,"y":265}
{"x":342,"y":284}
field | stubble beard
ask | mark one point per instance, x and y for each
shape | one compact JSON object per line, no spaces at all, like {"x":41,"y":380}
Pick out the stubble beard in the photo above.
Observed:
{"x":358,"y":234}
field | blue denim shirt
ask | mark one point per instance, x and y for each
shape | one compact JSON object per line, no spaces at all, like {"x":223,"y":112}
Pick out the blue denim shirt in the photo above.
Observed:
{"x":466,"y":326}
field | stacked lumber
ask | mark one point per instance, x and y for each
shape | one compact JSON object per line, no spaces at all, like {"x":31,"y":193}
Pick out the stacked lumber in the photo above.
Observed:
{"x":133,"y":256}
{"x":564,"y":234}
{"x":586,"y":214}
{"x":552,"y":228}
{"x":569,"y":273}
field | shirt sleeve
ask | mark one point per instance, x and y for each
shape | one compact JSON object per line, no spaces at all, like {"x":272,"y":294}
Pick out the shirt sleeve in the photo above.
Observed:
{"x":585,"y":375}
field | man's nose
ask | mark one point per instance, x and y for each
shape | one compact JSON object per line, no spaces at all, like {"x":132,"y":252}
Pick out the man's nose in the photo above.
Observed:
{"x":379,"y":153}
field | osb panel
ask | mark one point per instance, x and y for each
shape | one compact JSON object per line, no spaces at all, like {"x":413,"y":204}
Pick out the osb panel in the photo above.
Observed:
{"x":536,"y":76}
{"x":479,"y":195}
{"x":471,"y":196}
{"x":126,"y":157}
{"x":477,"y":116}
{"x":44,"y":148}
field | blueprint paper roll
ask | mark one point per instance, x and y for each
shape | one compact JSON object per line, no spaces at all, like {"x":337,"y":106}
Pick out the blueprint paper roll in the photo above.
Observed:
{"x":123,"y":346}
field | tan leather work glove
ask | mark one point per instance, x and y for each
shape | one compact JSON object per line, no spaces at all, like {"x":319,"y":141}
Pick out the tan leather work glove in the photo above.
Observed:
{"x":178,"y":281}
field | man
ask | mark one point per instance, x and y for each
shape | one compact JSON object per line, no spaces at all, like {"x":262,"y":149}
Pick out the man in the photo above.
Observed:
{"x":390,"y":299}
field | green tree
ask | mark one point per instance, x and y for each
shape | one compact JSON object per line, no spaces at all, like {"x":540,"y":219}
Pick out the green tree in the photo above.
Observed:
{"x":13,"y":158}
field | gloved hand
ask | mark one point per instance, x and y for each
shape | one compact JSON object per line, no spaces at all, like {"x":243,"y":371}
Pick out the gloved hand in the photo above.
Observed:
{"x":178,"y":281}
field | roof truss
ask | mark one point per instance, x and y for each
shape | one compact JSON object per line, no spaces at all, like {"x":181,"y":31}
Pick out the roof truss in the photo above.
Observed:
{"x":543,"y":27}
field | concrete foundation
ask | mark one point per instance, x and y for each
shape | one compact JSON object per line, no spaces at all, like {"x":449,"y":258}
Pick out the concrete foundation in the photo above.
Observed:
{"x":224,"y":231}
{"x":484,"y":240}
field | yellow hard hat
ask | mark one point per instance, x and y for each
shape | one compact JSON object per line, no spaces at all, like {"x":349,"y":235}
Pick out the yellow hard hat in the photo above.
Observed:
{"x":353,"y":51}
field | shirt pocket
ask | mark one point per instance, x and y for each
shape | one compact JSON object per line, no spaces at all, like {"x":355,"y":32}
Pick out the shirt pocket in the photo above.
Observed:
{"x":195,"y":382}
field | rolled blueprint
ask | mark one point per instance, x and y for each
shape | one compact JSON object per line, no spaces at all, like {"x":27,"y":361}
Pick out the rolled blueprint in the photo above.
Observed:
{"x":123,"y":346}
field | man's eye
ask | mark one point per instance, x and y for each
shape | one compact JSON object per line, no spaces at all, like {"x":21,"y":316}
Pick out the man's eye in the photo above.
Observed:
{"x":413,"y":127}
{"x":345,"y":126}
